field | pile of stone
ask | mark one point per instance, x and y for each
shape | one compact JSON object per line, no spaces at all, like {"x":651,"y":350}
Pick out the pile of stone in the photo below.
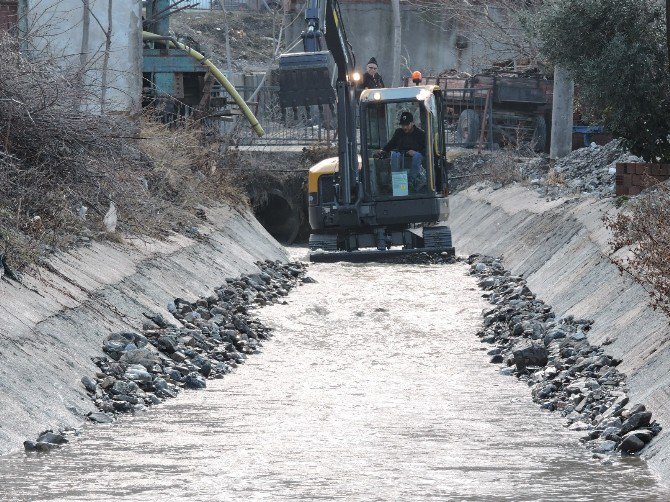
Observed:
{"x":424,"y":258}
{"x":565,"y":372}
{"x":214,"y":335}
{"x":46,"y":441}
{"x":592,"y":169}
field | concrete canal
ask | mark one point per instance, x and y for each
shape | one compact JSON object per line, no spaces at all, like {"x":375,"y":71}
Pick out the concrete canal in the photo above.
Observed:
{"x":373,"y":388}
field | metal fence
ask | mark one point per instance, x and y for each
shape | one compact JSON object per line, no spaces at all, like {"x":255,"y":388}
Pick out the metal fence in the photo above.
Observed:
{"x":467,"y":117}
{"x":467,"y":120}
{"x":286,"y":126}
{"x":228,"y":4}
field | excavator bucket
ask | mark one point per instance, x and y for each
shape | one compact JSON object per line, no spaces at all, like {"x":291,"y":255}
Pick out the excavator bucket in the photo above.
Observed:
{"x":304,"y":79}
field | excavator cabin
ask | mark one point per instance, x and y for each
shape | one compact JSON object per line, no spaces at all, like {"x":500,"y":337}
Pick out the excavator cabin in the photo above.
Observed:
{"x":390,"y":202}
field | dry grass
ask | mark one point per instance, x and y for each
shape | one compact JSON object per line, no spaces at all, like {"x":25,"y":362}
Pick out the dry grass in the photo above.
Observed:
{"x":504,"y":167}
{"x":555,"y":178}
{"x":61,"y":168}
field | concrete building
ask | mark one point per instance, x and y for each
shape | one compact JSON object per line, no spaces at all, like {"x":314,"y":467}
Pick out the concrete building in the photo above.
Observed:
{"x":429,"y":44}
{"x":76,"y":33}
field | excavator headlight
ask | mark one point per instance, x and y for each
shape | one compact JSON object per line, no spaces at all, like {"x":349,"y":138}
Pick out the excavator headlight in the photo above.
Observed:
{"x":356,"y":76}
{"x":377,"y":96}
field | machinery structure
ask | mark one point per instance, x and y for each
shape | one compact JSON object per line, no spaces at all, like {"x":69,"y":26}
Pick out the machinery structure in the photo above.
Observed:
{"x":497,"y":106}
{"x":304,"y":77}
{"x":368,"y":201}
{"x":177,"y":77}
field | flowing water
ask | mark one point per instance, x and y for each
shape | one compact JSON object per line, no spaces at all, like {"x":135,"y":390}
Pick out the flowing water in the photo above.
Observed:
{"x":374,"y":388}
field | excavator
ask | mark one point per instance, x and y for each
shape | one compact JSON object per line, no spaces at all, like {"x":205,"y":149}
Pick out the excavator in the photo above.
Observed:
{"x":364,"y":205}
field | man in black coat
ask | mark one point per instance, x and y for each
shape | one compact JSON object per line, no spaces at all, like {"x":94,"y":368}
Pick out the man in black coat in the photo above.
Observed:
{"x":372,"y":79}
{"x":408,"y":140}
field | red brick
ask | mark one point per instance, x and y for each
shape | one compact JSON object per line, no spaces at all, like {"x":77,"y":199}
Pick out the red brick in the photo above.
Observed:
{"x":620,"y":190}
{"x":623,"y":180}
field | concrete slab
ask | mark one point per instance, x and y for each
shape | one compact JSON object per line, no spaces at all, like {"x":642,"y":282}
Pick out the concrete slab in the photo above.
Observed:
{"x":51,"y":326}
{"x":561,"y":248}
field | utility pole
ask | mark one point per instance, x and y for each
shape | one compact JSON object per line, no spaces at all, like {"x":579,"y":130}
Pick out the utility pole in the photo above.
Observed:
{"x":561,"y":115}
{"x":397,"y":42}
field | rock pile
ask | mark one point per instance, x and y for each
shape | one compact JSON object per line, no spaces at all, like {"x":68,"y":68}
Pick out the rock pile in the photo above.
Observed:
{"x":592,"y":169}
{"x":46,"y":441}
{"x":589,"y":170}
{"x":565,"y":372}
{"x":215,"y":335}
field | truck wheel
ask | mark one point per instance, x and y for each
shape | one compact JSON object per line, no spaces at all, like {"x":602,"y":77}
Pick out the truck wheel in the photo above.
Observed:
{"x":539,"y":134}
{"x":467,"y":130}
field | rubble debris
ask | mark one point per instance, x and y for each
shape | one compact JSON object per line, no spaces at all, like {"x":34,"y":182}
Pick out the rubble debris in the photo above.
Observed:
{"x":554,"y":357}
{"x":215,"y":334}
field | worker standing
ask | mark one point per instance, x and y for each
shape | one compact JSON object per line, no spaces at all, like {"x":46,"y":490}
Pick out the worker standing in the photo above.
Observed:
{"x":372,"y":79}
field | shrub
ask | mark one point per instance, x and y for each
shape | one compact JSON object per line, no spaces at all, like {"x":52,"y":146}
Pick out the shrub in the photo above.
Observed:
{"x":641,"y":243}
{"x":616,"y":51}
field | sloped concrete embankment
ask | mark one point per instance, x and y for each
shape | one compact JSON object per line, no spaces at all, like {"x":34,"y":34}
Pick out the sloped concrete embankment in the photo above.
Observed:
{"x":560,"y":247}
{"x":51,"y":326}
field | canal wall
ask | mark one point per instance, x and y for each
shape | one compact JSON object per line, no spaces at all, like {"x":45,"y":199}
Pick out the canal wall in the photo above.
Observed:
{"x":560,"y":247}
{"x":53,"y":323}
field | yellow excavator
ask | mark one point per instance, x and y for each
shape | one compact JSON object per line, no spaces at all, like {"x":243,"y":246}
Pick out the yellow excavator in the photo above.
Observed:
{"x":379,"y":203}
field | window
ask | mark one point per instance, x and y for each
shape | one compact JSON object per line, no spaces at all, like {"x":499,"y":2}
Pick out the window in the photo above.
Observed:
{"x":395,"y":173}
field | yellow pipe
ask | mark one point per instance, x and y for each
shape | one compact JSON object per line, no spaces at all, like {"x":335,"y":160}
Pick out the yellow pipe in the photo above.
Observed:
{"x":146,"y":35}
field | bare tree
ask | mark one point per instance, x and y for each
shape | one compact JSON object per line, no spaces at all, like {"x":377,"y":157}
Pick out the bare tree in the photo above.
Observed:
{"x":503,"y":28}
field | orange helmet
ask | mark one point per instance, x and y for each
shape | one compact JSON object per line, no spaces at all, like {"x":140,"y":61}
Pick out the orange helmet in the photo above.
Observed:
{"x":417,"y":77}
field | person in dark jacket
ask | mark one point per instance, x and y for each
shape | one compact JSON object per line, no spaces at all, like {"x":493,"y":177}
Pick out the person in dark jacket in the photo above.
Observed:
{"x":372,"y":79}
{"x":408,"y":140}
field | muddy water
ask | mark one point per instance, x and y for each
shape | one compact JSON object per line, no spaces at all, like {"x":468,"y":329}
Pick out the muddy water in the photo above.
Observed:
{"x":374,"y":388}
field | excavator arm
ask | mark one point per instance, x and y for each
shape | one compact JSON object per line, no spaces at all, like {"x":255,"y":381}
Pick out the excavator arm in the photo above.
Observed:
{"x":340,"y":49}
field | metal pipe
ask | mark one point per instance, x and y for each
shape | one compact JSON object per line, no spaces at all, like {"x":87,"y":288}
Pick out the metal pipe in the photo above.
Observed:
{"x":217,"y":75}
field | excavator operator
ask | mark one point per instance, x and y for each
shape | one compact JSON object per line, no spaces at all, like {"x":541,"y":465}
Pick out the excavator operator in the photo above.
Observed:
{"x":408,"y":140}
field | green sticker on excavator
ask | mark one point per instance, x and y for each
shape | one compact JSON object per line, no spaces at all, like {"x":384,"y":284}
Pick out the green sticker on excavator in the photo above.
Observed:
{"x":400,"y":184}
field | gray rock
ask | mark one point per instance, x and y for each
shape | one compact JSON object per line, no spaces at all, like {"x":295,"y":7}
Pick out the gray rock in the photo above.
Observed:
{"x":631,"y":444}
{"x":195,"y":381}
{"x":101,"y":418}
{"x":643,"y":434}
{"x":51,"y":438}
{"x":605,"y":447}
{"x":36,"y":446}
{"x":138,"y":375}
{"x":497,"y":359}
{"x":530,"y":354}
{"x":636,"y":421}
{"x":144,"y":356}
{"x":88,"y":383}
{"x":121,"y":387}
{"x":167,"y":344}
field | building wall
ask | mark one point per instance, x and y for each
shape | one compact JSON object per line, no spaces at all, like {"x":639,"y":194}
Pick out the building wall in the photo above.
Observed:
{"x":55,"y":28}
{"x":428,"y":46}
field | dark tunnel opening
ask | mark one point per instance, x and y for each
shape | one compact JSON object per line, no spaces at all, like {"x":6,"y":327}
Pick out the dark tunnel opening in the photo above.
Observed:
{"x":279,"y":218}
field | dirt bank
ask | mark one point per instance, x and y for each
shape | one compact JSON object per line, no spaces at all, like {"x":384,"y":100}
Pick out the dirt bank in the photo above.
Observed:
{"x":54,"y":324}
{"x":560,"y":247}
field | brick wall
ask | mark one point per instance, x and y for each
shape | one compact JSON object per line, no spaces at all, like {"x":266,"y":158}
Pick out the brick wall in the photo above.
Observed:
{"x":632,"y":178}
{"x":8,"y":14}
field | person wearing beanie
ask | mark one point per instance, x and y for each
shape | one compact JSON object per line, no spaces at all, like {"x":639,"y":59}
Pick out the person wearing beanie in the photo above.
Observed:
{"x":371,"y":79}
